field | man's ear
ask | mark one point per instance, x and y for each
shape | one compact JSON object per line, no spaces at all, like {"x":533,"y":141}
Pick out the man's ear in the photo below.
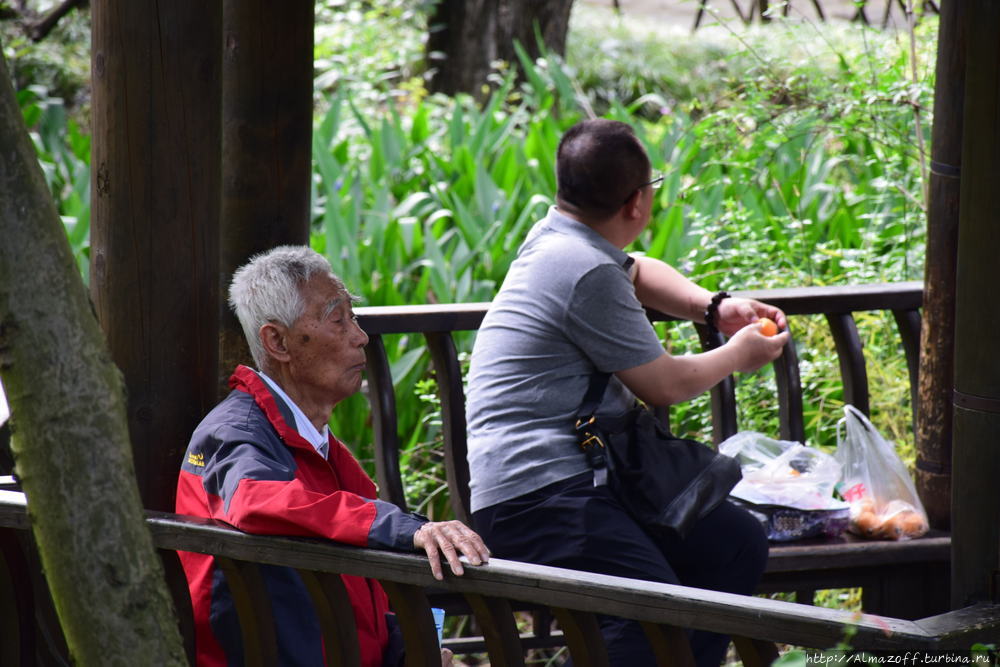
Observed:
{"x":631,"y":208}
{"x":272,"y":337}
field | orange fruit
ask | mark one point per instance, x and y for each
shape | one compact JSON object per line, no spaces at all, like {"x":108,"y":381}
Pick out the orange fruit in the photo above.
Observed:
{"x":768,"y":327}
{"x":914,"y":525}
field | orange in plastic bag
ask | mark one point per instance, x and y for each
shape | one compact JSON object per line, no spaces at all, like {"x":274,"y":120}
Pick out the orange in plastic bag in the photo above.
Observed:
{"x":884,"y":501}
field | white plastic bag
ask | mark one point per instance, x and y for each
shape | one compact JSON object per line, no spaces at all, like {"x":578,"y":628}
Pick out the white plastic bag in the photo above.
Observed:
{"x":782,"y":472}
{"x":883,"y":498}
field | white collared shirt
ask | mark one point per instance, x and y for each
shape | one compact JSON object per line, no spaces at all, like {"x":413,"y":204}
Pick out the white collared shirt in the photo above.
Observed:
{"x":320,"y":441}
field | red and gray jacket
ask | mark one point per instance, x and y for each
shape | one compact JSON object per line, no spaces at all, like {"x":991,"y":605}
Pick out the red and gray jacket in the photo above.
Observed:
{"x":247,"y":466}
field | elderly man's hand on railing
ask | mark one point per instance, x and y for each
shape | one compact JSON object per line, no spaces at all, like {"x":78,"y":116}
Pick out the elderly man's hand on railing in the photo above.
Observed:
{"x":450,"y":538}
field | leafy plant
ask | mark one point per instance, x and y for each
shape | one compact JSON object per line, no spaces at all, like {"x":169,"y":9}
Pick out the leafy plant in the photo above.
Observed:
{"x":788,"y":152}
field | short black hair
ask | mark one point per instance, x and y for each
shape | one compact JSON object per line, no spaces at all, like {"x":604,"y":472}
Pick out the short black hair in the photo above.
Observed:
{"x":599,"y":164}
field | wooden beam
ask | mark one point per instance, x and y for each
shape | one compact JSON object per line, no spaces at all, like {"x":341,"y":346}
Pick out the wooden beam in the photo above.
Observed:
{"x":933,"y":412}
{"x":976,"y":450}
{"x":267,"y":107}
{"x":771,"y":620}
{"x":793,"y":300}
{"x":155,"y":178}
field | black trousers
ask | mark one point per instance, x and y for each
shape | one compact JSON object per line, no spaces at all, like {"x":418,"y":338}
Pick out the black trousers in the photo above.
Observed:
{"x":574,"y":525}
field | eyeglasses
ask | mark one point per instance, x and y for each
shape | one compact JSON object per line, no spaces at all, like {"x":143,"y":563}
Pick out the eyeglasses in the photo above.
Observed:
{"x":655,"y":183}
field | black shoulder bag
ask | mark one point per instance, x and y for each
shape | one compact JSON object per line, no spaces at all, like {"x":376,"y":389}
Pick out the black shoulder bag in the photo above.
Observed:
{"x":665,"y":483}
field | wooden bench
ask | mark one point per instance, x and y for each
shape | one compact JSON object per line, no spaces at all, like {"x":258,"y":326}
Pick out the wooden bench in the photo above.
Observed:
{"x":907,"y":579}
{"x":905,"y":583}
{"x":31,"y":636}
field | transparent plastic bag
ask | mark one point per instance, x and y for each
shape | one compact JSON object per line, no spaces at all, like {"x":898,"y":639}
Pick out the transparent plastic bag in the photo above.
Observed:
{"x":883,"y":499}
{"x":781,"y":472}
{"x":787,"y":486}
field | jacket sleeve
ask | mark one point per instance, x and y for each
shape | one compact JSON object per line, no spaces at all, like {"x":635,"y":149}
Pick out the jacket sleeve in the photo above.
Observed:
{"x":256,"y":491}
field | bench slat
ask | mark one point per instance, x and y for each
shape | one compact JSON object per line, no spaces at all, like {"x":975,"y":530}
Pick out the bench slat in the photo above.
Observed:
{"x":755,"y":653}
{"x":670,"y":645}
{"x":452,"y":395}
{"x":384,"y":422}
{"x":336,"y":617}
{"x":496,"y":619}
{"x":908,"y":323}
{"x":583,"y":637}
{"x":177,"y":583}
{"x":851,"y":358}
{"x":416,"y":620}
{"x":253,"y":608}
{"x":789,"y":381}
{"x":723,"y":395}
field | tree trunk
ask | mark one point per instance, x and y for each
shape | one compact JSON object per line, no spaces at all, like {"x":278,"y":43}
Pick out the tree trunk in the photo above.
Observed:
{"x":517,"y":21}
{"x":70,"y":438}
{"x":466,"y":36}
{"x":267,"y":108}
{"x":461,"y":45}
{"x":155,"y":201}
{"x":937,"y":335}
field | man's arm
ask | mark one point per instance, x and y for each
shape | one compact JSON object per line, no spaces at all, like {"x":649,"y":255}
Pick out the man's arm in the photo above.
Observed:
{"x":260,"y":494}
{"x":661,"y":287}
{"x":671,"y":379}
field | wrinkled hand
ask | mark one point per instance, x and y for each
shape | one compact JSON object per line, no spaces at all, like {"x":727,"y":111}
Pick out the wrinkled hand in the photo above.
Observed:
{"x":735,"y":313}
{"x":757,"y":348}
{"x":450,"y":538}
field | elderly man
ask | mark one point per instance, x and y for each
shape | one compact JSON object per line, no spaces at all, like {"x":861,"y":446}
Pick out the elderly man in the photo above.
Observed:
{"x":264,"y":461}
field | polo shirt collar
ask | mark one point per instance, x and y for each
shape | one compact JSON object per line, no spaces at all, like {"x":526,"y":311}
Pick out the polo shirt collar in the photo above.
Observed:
{"x":564,"y":224}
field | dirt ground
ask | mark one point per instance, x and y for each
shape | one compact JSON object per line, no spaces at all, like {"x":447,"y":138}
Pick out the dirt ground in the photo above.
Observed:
{"x":684,"y":12}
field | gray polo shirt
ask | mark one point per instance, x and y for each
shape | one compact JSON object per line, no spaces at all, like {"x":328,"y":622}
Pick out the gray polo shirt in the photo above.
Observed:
{"x":566,"y":308}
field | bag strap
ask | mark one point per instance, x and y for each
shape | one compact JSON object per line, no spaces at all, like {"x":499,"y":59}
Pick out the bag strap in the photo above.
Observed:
{"x":595,"y":394}
{"x":590,"y":438}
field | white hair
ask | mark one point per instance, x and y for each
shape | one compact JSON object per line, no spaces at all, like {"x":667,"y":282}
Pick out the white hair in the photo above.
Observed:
{"x":268,"y":289}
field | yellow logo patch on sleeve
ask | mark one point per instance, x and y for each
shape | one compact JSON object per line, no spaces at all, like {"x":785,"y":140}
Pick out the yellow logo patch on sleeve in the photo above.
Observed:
{"x":197,"y":460}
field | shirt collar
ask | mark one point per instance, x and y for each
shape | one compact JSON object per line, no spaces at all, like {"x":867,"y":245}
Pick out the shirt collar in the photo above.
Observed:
{"x":320,"y":441}
{"x":559,"y":222}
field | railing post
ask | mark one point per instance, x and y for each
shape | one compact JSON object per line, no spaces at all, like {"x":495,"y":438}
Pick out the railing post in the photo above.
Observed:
{"x":583,"y":637}
{"x":336,"y":617}
{"x":253,"y":607}
{"x":413,"y":612}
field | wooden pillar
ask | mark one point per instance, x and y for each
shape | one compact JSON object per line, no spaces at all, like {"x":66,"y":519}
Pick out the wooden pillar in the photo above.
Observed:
{"x":976,"y":447}
{"x":267,"y":143}
{"x":933,"y":412}
{"x":155,"y":193}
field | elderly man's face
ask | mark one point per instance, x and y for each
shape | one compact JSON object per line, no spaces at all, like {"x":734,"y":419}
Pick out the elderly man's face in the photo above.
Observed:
{"x":326,"y":345}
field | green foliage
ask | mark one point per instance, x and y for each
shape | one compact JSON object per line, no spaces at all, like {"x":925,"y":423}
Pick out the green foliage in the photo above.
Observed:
{"x":63,"y":150}
{"x":60,"y":63}
{"x":789,"y":154}
{"x":352,"y":53}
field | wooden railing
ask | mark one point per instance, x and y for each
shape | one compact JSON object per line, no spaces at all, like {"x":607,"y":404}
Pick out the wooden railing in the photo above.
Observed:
{"x":892,"y":575}
{"x":490,"y":591}
{"x":905,"y":583}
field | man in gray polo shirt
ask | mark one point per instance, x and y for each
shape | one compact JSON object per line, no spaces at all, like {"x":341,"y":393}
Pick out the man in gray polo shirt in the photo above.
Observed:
{"x":572,"y":304}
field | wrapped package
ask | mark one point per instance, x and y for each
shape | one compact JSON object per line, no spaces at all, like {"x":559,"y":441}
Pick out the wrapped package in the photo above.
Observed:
{"x":787,"y":486}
